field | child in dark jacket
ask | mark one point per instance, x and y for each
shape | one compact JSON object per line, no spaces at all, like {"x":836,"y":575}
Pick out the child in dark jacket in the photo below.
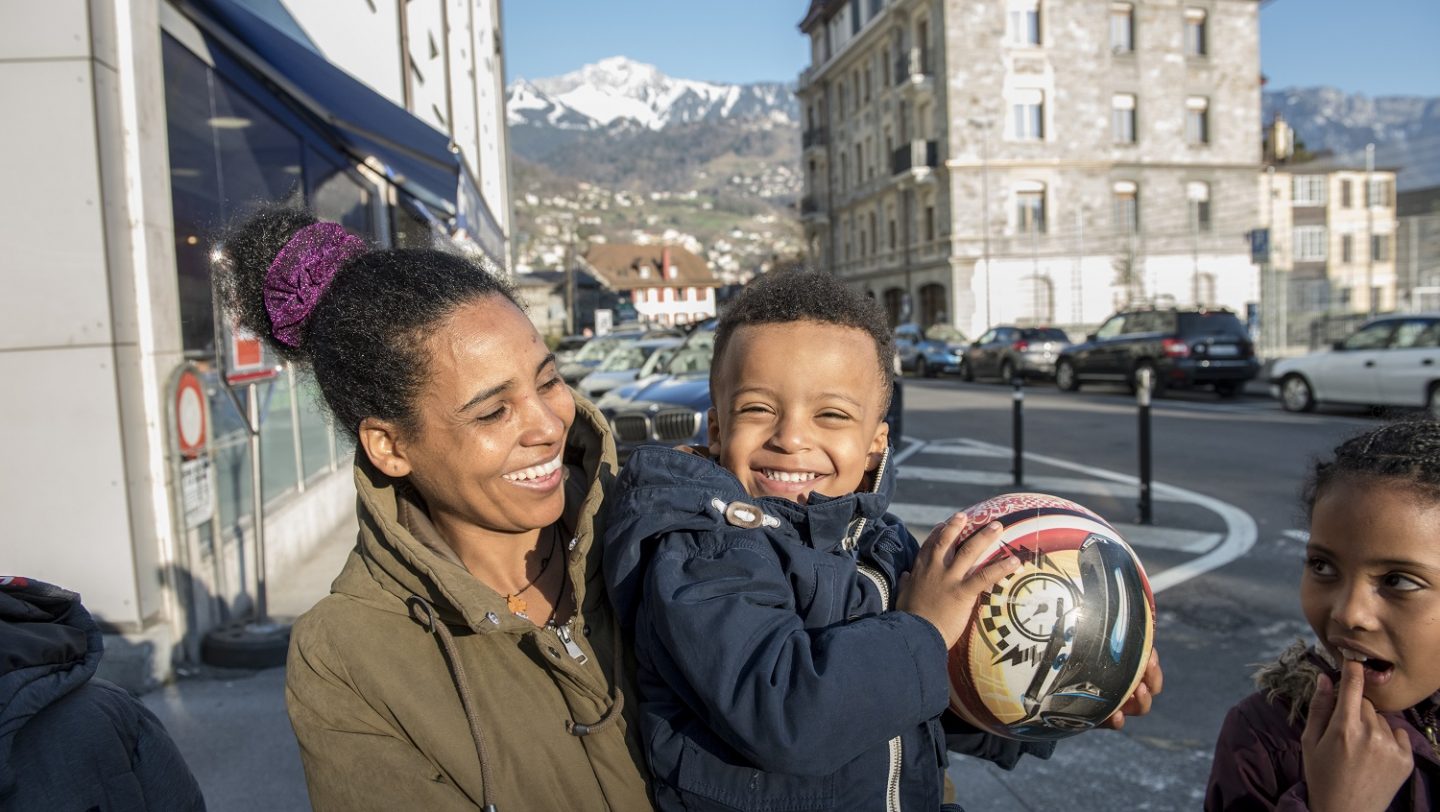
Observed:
{"x":1365,"y":736}
{"x":783,"y":662}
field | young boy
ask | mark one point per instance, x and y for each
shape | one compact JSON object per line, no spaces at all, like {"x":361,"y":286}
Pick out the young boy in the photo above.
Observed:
{"x":782,"y":661}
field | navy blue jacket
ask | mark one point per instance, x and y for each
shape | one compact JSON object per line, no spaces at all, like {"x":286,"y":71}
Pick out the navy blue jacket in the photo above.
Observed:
{"x":771,"y":673}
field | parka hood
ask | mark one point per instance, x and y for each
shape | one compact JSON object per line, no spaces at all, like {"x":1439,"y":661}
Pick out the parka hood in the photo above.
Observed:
{"x":401,"y":551}
{"x":49,"y":646}
{"x":663,"y":490}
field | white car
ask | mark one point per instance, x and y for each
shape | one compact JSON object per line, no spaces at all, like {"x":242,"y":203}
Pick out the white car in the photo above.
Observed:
{"x":1389,"y":361}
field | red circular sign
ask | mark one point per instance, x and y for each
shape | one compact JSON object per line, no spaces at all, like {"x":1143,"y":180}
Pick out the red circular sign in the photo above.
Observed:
{"x":190,"y":414}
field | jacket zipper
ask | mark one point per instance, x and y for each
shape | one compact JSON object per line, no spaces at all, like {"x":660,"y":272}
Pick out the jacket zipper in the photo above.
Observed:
{"x":571,"y":647}
{"x":892,"y":783}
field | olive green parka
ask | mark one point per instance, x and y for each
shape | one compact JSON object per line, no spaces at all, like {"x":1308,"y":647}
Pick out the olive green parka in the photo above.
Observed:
{"x":477,"y":707}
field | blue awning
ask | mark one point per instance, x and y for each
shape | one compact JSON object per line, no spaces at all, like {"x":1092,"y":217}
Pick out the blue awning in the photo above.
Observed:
{"x":375,"y":131}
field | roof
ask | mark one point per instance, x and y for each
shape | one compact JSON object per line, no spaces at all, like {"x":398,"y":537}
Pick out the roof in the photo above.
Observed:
{"x":619,"y":266}
{"x":819,"y":10}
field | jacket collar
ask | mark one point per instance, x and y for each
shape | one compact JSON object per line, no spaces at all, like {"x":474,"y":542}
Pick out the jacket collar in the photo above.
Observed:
{"x":401,"y":551}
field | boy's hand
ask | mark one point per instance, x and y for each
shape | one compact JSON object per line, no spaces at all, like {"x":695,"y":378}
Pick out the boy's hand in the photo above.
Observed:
{"x":939,"y":589}
{"x":1139,"y":702}
{"x":1353,"y":759}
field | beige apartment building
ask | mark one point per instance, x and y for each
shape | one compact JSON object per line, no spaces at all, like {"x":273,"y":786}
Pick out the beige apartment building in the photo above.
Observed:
{"x":980,"y":162}
{"x":1332,"y":242}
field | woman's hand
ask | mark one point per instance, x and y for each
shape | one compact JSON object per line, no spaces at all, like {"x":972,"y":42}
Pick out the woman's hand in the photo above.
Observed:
{"x":1354,"y":760}
{"x":1139,"y":702}
{"x":941,"y":587}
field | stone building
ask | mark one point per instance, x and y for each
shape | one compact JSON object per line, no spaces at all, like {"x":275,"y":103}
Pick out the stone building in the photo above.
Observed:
{"x":1033,"y":161}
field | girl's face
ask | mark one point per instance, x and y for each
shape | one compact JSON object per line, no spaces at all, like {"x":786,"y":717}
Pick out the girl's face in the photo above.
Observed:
{"x":1371,"y":587}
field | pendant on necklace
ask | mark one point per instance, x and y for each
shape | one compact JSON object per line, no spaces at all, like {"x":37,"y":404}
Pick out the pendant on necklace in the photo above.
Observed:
{"x":516,"y":605}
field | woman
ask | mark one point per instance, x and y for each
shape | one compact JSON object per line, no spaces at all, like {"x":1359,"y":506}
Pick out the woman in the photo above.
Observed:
{"x":466,"y":656}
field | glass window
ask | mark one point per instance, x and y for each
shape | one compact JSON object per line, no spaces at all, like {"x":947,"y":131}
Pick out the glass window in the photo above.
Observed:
{"x":1122,"y":118}
{"x":1197,"y":194}
{"x":1111,"y":328}
{"x":1122,"y":28}
{"x":1195,"y":36}
{"x":277,"y":437}
{"x":1377,"y":192}
{"x":315,"y":431}
{"x":337,"y":193}
{"x":1380,"y":247}
{"x":1371,"y":337}
{"x":1027,"y":115}
{"x":1415,"y":333}
{"x":1125,"y":203}
{"x":1023,"y":24}
{"x":1310,"y":243}
{"x":1212,"y":323}
{"x":1197,"y":120}
{"x":1309,"y":190}
{"x":1345,"y":195}
{"x":1030,"y":210}
{"x":1347,"y":248}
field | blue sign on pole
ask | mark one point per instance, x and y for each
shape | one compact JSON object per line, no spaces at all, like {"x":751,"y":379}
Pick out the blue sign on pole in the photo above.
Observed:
{"x":1260,"y":245}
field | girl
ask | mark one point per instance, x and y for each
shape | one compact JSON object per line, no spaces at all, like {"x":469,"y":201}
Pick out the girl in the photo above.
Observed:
{"x":1363,"y":737}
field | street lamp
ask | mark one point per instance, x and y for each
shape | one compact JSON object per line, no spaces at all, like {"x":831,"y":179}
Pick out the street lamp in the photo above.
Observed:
{"x":984,"y":126}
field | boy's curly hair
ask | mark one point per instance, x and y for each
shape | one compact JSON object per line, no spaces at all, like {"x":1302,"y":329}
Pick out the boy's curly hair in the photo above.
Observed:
{"x":1405,"y":453}
{"x":789,"y":296}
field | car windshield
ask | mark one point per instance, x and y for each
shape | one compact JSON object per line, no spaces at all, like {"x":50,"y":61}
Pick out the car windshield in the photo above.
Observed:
{"x":944,"y":332}
{"x":597,"y":349}
{"x":1224,"y":325}
{"x":690,"y":359}
{"x":624,"y":358}
{"x":1045,"y":334}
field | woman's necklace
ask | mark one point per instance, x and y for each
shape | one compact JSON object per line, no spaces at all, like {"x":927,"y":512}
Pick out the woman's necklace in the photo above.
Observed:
{"x":513,"y":601}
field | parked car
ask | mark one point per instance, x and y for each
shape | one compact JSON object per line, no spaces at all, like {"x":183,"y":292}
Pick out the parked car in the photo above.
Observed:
{"x":1009,"y":350}
{"x":627,"y":363}
{"x":567,"y":346}
{"x":1390,"y":361}
{"x":1182,"y":347}
{"x":672,"y":407}
{"x":588,"y":357}
{"x":908,"y":338}
{"x":940,"y":352}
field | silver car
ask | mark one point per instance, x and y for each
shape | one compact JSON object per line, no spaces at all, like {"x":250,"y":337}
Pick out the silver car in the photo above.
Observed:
{"x":627,"y":363}
{"x":1389,"y":361}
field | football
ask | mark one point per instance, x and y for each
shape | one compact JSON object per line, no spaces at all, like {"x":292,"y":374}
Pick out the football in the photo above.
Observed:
{"x":1061,"y":643}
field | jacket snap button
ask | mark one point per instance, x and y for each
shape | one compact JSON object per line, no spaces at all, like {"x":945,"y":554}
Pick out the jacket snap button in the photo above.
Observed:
{"x":742,"y":515}
{"x":586,"y":630}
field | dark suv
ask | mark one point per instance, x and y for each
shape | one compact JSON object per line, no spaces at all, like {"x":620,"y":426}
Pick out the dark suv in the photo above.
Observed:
{"x":1182,"y":347}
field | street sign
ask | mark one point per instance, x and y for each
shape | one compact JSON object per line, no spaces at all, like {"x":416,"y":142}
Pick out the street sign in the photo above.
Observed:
{"x":604,"y":321}
{"x":191,"y":411}
{"x":196,"y":492}
{"x":246,"y":359}
{"x":1260,"y":245}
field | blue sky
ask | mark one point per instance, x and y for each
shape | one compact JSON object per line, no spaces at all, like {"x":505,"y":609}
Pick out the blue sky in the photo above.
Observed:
{"x":1377,"y":47}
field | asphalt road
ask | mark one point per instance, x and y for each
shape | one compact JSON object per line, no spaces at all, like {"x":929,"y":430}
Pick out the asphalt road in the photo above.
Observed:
{"x":1212,"y":628}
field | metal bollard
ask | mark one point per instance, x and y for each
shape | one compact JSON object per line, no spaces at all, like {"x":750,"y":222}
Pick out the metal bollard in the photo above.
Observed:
{"x":1143,"y":384}
{"x":1018,"y":440}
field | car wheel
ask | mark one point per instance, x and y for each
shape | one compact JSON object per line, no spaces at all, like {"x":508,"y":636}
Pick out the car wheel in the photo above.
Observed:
{"x":1227,"y":389}
{"x":1007,"y":372}
{"x":966,"y":373}
{"x":1297,"y":396}
{"x":1065,"y":377}
{"x":1156,"y":385}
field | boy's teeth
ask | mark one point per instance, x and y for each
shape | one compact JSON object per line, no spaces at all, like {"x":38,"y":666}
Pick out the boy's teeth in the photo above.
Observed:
{"x":786,"y":476}
{"x":535,"y":471}
{"x":1352,"y":655}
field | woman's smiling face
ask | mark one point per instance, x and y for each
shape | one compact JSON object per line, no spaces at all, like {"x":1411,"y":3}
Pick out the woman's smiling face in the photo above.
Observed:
{"x":1371,"y":586}
{"x":799,"y":409}
{"x":492,"y":421}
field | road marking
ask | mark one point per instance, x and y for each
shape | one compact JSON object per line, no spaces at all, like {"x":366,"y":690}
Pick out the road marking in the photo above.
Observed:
{"x":1239,"y":535}
{"x":1302,"y":536}
{"x":965,"y":451}
{"x":1088,"y":487}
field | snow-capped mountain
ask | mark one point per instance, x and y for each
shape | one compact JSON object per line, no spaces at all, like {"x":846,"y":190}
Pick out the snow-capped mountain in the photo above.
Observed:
{"x":1329,"y":119}
{"x":619,"y":91}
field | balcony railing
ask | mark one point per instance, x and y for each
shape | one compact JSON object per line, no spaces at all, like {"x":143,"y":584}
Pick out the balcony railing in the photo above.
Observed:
{"x":817,"y":137}
{"x":914,"y":155}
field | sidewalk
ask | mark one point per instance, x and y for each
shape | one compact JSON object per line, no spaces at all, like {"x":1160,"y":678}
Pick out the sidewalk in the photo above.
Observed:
{"x":232,"y":727}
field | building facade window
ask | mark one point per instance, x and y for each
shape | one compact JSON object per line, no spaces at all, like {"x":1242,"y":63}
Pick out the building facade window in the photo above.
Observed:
{"x":854,"y":17}
{"x":1197,"y":195}
{"x":1125,"y":207}
{"x":1197,"y":120}
{"x":929,"y":223}
{"x":1310,"y":244}
{"x":1196,"y":37}
{"x":1347,"y":248}
{"x":1377,"y":192}
{"x":1122,"y":28}
{"x":1309,"y":190}
{"x":1030,"y":208}
{"x":1023,"y":23}
{"x":1346,"y":195}
{"x":1027,"y":115}
{"x":1122,"y":118}
{"x":932,"y":305}
{"x":1380,"y":247}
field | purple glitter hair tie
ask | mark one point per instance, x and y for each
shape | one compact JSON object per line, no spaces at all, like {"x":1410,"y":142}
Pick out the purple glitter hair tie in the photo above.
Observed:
{"x":300,"y":274}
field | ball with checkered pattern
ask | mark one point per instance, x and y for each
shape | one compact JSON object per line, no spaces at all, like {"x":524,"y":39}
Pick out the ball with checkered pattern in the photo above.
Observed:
{"x":1061,"y":643}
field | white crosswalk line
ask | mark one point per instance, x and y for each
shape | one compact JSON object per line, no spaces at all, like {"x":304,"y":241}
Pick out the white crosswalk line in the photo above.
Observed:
{"x":965,"y":451}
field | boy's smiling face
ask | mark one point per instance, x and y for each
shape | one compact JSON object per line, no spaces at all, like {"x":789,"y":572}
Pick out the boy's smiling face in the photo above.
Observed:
{"x":799,"y":408}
